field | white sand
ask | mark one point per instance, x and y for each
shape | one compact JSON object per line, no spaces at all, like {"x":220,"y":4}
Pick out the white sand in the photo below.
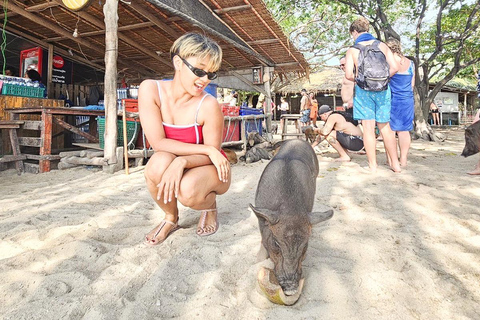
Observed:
{"x":400,"y":246}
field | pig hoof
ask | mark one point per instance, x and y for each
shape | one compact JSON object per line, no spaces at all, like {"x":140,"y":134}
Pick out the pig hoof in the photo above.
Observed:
{"x":272,"y":290}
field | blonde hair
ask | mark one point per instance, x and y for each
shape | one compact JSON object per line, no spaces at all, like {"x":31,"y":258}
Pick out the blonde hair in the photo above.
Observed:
{"x":197,"y":45}
{"x":360,"y":25}
{"x":395,"y":46}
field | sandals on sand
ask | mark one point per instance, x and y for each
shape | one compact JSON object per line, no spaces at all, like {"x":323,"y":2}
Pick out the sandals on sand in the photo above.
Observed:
{"x":153,"y":240}
{"x":202,"y":228}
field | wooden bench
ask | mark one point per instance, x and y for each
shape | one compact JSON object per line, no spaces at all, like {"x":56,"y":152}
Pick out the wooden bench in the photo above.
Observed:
{"x":12,"y":127}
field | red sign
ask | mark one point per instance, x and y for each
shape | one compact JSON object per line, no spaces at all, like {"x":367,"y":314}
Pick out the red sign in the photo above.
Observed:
{"x":58,"y":62}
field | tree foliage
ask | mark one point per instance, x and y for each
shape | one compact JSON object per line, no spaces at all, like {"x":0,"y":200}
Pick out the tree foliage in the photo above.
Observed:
{"x":441,"y":36}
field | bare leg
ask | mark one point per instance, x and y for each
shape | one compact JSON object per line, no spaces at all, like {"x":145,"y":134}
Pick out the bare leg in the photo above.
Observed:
{"x":369,"y":141}
{"x":390,"y":145}
{"x":154,"y":170}
{"x":332,"y":140}
{"x":476,"y":171}
{"x":404,"y":140}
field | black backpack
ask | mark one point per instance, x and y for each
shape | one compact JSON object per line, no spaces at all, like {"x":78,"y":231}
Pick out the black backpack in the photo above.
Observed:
{"x":373,"y":69}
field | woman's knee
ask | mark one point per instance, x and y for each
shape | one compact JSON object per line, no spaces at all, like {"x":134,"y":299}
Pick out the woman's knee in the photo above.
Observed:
{"x":157,"y":165}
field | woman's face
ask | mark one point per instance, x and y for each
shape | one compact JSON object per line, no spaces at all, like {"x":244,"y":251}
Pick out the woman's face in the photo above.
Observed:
{"x":193,"y":84}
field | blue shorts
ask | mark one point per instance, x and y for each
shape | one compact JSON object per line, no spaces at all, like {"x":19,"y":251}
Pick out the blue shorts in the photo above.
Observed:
{"x":372,"y":105}
{"x":305,"y":116}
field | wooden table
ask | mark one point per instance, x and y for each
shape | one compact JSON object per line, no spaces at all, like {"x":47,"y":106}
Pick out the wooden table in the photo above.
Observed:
{"x":44,"y":142}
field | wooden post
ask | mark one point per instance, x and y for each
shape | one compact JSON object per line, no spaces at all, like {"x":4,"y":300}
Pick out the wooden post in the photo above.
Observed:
{"x":268,"y":101}
{"x":110,"y":9}
{"x":50,"y":72}
{"x":125,"y":141}
{"x":46,"y":146}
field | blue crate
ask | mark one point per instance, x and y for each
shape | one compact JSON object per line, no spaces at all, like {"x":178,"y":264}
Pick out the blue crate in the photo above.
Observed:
{"x":254,"y":124}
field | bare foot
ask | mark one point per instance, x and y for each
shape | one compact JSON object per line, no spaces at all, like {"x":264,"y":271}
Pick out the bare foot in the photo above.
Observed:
{"x":397,"y":169}
{"x":476,"y":171}
{"x":342,"y":159}
{"x":368,"y":169}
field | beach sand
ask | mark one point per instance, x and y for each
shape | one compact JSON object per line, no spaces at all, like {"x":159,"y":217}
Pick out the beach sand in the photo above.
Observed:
{"x":399,"y":246}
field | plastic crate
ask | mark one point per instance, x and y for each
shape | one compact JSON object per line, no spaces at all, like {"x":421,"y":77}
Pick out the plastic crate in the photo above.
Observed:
{"x":231,"y":111}
{"x":254,"y":124}
{"x":133,"y":127}
{"x":131,"y":105}
{"x":23,"y":91}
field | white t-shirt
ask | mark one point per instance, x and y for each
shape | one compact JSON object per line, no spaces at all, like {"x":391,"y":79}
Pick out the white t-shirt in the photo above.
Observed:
{"x":284,"y":106}
{"x":233,"y":102}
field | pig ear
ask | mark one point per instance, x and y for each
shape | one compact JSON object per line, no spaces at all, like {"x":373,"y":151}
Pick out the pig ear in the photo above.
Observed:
{"x":316,"y":217}
{"x":268,"y":215}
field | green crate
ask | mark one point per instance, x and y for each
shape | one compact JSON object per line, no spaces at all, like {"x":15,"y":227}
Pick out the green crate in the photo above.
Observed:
{"x":23,"y":91}
{"x":133,"y":127}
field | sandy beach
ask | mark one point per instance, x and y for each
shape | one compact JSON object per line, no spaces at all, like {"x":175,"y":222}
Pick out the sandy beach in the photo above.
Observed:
{"x":399,"y":246}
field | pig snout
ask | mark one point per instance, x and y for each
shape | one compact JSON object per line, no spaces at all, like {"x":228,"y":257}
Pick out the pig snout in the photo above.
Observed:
{"x":289,"y":285}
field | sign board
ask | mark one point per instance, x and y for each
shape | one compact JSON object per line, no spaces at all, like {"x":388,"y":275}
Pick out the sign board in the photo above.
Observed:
{"x":447,"y":101}
{"x":62,"y":70}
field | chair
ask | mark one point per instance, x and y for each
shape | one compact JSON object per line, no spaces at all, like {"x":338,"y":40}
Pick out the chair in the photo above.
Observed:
{"x":17,"y":157}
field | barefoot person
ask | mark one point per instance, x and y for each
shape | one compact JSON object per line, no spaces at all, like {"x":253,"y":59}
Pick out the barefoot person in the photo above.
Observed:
{"x":372,"y":95}
{"x":184,"y":125}
{"x":341,"y":131}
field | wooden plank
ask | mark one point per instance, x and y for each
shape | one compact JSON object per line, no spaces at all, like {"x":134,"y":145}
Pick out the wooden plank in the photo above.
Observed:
{"x":31,"y":167}
{"x":32,"y":125}
{"x":10,"y":158}
{"x":14,"y":122}
{"x":37,"y":157}
{"x":9,"y":126}
{"x":95,"y":146}
{"x":140,"y":153}
{"x":30,"y":142}
{"x":75,"y":130}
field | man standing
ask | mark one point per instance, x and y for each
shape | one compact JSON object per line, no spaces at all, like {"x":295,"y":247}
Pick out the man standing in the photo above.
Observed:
{"x":347,"y":90}
{"x":305,"y":105}
{"x":341,"y":132}
{"x":372,"y":97}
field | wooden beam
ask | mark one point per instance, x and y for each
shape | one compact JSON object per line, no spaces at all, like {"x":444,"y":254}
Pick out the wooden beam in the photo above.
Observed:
{"x":41,"y":7}
{"x":35,"y":18}
{"x":100,"y":32}
{"x":87,"y":17}
{"x":287,"y":64}
{"x":231,"y":9}
{"x":265,"y":41}
{"x":152,"y":17}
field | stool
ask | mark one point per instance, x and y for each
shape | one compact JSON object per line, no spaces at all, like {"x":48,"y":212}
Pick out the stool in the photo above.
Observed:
{"x":296,"y":119}
{"x":17,"y":157}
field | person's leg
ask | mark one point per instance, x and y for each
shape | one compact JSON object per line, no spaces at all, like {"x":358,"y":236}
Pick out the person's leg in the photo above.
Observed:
{"x":390,"y":144}
{"x":154,"y":170}
{"x":370,"y":143}
{"x":332,"y":140}
{"x":404,"y":141}
{"x":198,"y":190}
{"x":436,"y":119}
{"x":475,"y":171}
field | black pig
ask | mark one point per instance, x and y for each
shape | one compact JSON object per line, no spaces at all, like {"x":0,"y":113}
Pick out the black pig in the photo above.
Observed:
{"x":283,"y":206}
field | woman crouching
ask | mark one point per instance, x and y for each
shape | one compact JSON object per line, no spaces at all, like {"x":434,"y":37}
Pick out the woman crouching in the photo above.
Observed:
{"x":184,"y":126}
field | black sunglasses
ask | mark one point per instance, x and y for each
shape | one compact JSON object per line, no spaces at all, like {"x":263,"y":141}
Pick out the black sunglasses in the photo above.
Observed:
{"x":199,"y":72}
{"x":342,"y":65}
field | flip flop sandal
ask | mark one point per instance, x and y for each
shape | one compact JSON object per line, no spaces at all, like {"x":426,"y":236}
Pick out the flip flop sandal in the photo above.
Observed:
{"x":152,"y":241}
{"x":201,"y":224}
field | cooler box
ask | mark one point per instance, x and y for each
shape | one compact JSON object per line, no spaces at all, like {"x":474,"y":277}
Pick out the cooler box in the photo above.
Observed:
{"x":231,"y":131}
{"x":133,"y":127}
{"x":254,"y":124}
{"x":131,"y":105}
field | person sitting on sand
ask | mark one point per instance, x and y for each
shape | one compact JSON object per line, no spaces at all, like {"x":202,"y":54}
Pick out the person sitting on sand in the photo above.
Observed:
{"x":184,"y":125}
{"x":341,"y":131}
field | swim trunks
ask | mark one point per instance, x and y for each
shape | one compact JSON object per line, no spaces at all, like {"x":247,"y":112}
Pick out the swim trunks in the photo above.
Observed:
{"x":350,"y":142}
{"x":372,"y":105}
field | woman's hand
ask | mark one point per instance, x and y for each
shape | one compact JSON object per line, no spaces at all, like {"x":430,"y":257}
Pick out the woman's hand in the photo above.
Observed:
{"x":170,"y":183}
{"x":221,"y":163}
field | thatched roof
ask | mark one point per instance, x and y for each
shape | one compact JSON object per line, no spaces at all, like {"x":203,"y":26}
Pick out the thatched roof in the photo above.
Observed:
{"x":328,"y":80}
{"x":246,"y":31}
